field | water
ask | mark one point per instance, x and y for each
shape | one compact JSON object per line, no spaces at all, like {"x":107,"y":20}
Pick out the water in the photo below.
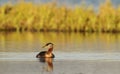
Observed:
{"x":60,"y":56}
{"x":76,"y":53}
{"x":63,"y":42}
{"x":70,"y":46}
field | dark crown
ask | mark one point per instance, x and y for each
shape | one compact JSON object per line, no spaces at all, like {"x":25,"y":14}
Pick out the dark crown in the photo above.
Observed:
{"x":48,"y":44}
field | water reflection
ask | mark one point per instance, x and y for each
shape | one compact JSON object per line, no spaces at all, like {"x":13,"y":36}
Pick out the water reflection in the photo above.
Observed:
{"x":48,"y":64}
{"x":78,"y":42}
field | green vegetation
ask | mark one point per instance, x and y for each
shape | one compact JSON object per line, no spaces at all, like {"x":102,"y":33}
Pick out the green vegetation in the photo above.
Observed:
{"x":49,"y":17}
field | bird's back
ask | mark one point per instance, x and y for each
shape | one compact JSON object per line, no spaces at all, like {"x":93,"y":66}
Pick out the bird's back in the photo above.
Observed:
{"x":42,"y":55}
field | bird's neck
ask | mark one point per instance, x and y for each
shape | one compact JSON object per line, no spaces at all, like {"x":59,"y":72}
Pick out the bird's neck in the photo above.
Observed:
{"x":50,"y":50}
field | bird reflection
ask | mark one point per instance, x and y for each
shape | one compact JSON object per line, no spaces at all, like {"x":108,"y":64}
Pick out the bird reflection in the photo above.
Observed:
{"x":49,"y":63}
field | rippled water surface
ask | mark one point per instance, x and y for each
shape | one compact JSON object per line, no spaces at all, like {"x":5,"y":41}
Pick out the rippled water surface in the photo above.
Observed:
{"x":63,"y":42}
{"x":79,"y":46}
{"x":76,"y":53}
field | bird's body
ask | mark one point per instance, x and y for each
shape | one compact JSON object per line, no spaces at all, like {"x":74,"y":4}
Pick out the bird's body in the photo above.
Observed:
{"x":43,"y":54}
{"x":46,"y":54}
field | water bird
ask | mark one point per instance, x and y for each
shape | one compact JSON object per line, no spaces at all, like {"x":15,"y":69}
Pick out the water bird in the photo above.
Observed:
{"x":46,"y":54}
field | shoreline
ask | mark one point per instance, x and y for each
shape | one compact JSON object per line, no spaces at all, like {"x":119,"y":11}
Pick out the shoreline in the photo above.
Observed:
{"x":60,"y":31}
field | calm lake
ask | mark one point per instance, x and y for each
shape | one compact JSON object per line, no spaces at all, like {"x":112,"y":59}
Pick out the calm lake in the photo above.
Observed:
{"x":75,"y":53}
{"x":63,"y":42}
{"x":66,"y":45}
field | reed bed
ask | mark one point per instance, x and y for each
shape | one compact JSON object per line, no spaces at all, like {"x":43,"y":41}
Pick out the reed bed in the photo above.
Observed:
{"x":26,"y":16}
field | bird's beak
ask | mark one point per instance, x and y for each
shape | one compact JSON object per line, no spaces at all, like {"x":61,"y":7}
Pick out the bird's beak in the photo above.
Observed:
{"x":44,"y":46}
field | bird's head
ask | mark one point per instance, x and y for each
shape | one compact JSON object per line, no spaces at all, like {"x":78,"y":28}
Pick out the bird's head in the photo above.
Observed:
{"x":48,"y":45}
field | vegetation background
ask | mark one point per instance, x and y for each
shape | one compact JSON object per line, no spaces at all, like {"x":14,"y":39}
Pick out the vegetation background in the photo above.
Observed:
{"x":26,"y":16}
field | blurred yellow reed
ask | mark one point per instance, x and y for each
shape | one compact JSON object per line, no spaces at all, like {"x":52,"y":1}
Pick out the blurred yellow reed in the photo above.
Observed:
{"x":49,"y":17}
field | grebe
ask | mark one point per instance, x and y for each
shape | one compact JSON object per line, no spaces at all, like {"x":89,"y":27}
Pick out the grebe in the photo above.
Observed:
{"x":46,"y":54}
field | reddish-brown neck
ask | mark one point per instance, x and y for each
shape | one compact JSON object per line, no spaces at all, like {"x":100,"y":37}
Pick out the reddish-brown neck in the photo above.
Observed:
{"x":50,"y":50}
